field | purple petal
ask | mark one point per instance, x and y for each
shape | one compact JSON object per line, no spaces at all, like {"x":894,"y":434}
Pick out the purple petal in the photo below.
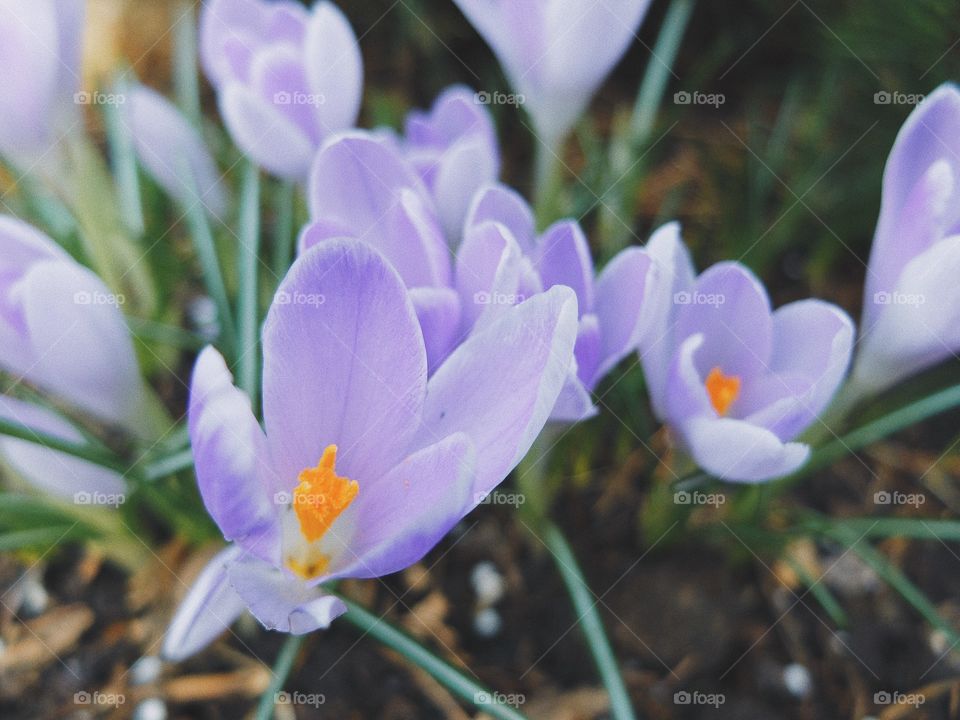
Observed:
{"x":501,"y":204}
{"x":438,"y":310}
{"x":344,"y":363}
{"x":209,"y":608}
{"x":361,"y":184}
{"x":280,"y":601}
{"x":588,"y":351}
{"x":230,"y":457}
{"x":563,"y":258}
{"x":621,"y":307}
{"x":334,"y":68}
{"x":164,"y":139}
{"x":500,"y":385}
{"x":54,"y":472}
{"x":401,"y":516}
{"x":488,"y":269}
{"x":730,"y":308}
{"x":271,"y":140}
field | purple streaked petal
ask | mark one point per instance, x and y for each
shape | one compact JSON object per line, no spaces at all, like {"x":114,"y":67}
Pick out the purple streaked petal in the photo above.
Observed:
{"x":53,"y":472}
{"x":488,"y":268}
{"x":730,"y":308}
{"x":265,"y":135}
{"x":501,"y":384}
{"x":234,"y":476}
{"x":280,"y":601}
{"x":588,"y":351}
{"x":438,"y":310}
{"x":563,"y":258}
{"x":209,"y":608}
{"x":501,"y":204}
{"x":401,"y":516}
{"x":278,"y":77}
{"x":344,"y":363}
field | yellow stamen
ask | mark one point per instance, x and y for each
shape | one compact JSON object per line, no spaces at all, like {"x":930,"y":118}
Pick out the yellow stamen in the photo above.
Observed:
{"x":322,"y":496}
{"x":310,"y":569}
{"x":722,"y":389}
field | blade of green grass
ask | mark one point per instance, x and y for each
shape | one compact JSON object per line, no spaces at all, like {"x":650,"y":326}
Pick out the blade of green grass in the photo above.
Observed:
{"x":185,"y":77}
{"x":85,"y":451}
{"x":281,"y":669}
{"x":247,"y":300}
{"x":283,"y":240}
{"x":123,"y":162}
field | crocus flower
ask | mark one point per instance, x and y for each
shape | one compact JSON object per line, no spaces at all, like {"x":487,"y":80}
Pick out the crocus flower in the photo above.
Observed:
{"x":734,"y":381}
{"x":286,"y":77}
{"x":454,"y":149}
{"x":911,"y":306}
{"x":502,"y":261}
{"x":39,"y":74}
{"x":167,"y":146}
{"x":57,"y":473}
{"x":363,"y":463}
{"x":556,"y":53}
{"x":61,"y":329}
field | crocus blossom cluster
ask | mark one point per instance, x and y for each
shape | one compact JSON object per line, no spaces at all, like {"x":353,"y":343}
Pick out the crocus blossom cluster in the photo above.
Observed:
{"x":364,"y":462}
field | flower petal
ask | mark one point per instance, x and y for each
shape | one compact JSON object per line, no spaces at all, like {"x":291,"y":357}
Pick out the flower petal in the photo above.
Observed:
{"x":504,"y":205}
{"x":500,"y":385}
{"x":334,"y":67}
{"x":438,"y":310}
{"x":563,"y":258}
{"x":230,"y":456}
{"x":209,"y":608}
{"x":344,"y":363}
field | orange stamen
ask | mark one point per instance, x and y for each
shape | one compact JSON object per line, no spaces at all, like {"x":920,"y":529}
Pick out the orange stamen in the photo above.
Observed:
{"x":322,"y":496}
{"x":722,"y":389}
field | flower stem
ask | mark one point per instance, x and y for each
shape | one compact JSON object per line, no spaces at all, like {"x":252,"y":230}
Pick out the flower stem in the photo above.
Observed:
{"x":283,"y":229}
{"x":589,"y":620}
{"x":281,"y":669}
{"x":448,"y":676}
{"x":247,"y":301}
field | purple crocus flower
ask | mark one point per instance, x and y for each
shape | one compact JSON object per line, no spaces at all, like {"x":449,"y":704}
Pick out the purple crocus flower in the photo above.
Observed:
{"x":364,"y":463}
{"x":164,"y":140}
{"x":736,"y":382}
{"x":61,"y":329}
{"x":286,"y":78}
{"x":39,"y":74}
{"x":911,"y":306}
{"x":454,"y":149}
{"x":556,"y":53}
{"x":57,"y":473}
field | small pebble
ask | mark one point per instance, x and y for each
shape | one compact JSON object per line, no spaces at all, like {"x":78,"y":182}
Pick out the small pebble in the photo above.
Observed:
{"x":151,"y":709}
{"x":797,"y":680}
{"x":487,"y":583}
{"x":487,"y":623}
{"x":146,"y":670}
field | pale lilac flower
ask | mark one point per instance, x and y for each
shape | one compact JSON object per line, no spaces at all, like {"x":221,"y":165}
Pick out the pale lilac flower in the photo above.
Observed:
{"x":286,"y":77}
{"x":911,"y":306}
{"x":736,"y":382}
{"x":167,"y":146}
{"x":39,"y":74}
{"x":556,"y":53}
{"x":454,"y":149}
{"x":57,"y":473}
{"x":364,"y":463}
{"x":61,"y":329}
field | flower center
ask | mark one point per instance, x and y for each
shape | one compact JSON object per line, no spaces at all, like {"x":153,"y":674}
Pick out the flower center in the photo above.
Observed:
{"x":722,"y":389}
{"x":322,"y":495}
